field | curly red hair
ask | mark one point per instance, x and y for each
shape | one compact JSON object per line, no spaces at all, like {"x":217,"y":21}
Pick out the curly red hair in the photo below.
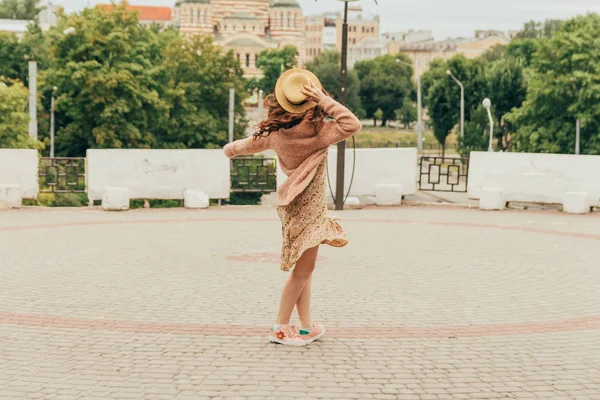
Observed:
{"x":278,"y":118}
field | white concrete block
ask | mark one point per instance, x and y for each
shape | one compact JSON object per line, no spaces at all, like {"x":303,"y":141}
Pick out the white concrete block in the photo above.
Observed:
{"x":352,"y":201}
{"x":492,"y":199}
{"x":388,"y":195}
{"x":157,"y":173}
{"x":20,"y":167}
{"x":535,"y":178}
{"x":576,"y":203}
{"x":116,"y":198}
{"x":269,"y":200}
{"x":10,"y":196}
{"x":194,"y":198}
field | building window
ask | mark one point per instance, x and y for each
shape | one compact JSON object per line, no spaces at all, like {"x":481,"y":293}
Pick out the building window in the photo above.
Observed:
{"x":238,"y":56}
{"x":363,"y":29}
{"x":233,"y":27}
{"x":247,"y":60}
{"x":244,"y":28}
{"x":294,"y":21}
{"x":289,"y":15}
{"x":205,"y":16}
{"x":255,"y":59}
{"x":281,"y":21}
{"x":418,"y":62}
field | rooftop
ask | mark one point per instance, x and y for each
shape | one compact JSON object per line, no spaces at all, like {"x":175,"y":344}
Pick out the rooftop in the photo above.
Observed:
{"x":145,"y":13}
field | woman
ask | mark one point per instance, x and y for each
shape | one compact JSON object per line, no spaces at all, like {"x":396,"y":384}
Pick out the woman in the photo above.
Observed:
{"x":297,"y":131}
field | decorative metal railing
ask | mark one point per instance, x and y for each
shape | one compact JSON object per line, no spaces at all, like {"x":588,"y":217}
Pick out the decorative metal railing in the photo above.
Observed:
{"x":62,"y":175}
{"x":443,"y":174}
{"x":252,"y":174}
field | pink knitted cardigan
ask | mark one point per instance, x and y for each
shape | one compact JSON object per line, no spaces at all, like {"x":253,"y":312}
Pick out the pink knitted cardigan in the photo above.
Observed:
{"x":302,"y":148}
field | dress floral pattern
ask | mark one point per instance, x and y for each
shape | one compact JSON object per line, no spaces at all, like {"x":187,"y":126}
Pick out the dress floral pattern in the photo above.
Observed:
{"x":305,"y":223}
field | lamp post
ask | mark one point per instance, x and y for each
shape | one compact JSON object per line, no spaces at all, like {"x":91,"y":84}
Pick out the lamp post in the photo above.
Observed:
{"x":54,"y":89}
{"x":462,"y":103}
{"x":419,"y":108}
{"x":487,"y":103}
{"x":32,"y":65}
{"x":341,"y":147}
{"x":577,"y":122}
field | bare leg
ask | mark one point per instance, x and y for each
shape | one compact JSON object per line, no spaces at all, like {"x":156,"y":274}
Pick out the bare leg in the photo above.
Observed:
{"x":295,"y":284}
{"x":303,"y":305}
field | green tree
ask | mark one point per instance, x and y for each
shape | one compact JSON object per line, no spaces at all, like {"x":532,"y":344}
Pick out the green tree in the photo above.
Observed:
{"x":477,"y":134}
{"x":507,"y":88}
{"x":442,"y":94}
{"x":195,"y":79}
{"x":563,"y":87}
{"x":408,"y":113}
{"x":14,"y":120}
{"x":108,"y":97}
{"x":13,"y":64}
{"x":20,"y":9}
{"x":385,"y":84}
{"x":539,"y":30}
{"x":326,"y":67}
{"x":273,"y":62}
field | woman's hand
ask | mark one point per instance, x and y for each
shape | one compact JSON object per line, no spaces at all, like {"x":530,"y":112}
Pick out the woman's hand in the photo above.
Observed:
{"x":313,"y":93}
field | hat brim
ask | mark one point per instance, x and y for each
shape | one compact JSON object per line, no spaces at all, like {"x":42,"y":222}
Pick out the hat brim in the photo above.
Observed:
{"x":284,"y":102}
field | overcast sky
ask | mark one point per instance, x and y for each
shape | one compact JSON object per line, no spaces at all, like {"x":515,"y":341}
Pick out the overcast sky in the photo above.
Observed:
{"x":446,"y":18}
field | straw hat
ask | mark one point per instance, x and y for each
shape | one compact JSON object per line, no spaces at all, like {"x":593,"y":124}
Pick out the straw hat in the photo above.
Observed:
{"x":289,"y":90}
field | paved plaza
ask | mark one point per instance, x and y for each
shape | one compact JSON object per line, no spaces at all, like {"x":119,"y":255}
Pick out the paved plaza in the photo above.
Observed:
{"x":424,"y":303}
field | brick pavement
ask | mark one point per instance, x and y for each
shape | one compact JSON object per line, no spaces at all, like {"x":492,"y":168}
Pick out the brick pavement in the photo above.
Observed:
{"x":424,"y":303}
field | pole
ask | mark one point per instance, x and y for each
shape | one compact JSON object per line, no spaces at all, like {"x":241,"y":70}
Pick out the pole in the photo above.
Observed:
{"x":490,"y":148}
{"x":462,"y":111}
{"x":462,"y":103}
{"x":577,"y":136}
{"x":231,"y":112}
{"x":341,"y":147}
{"x":420,"y":115}
{"x":33,"y":100}
{"x":52,"y":126}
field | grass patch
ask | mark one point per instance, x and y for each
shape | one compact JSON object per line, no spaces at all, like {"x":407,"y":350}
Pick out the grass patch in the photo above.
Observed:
{"x":378,"y":137}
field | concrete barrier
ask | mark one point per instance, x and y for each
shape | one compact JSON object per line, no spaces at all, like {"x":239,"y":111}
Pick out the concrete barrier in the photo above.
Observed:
{"x":536,"y":178}
{"x":20,"y":167}
{"x":373,"y":167}
{"x":158,"y":174}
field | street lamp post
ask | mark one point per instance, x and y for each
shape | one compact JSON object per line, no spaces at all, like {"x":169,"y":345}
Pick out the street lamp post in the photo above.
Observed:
{"x":419,"y":108}
{"x":54,"y":89}
{"x":341,"y":147}
{"x":487,"y":103}
{"x":33,"y":91}
{"x":462,"y":103}
{"x":577,"y":122}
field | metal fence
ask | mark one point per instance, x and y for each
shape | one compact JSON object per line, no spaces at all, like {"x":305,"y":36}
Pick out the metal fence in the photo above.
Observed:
{"x":62,"y":175}
{"x":443,"y":174}
{"x":251,"y":174}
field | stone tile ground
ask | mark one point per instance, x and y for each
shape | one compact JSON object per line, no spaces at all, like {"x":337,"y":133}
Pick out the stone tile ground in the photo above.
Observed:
{"x":425,"y":303}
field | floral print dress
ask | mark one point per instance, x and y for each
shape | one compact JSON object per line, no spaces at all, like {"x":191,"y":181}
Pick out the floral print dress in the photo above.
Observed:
{"x":305,"y":223}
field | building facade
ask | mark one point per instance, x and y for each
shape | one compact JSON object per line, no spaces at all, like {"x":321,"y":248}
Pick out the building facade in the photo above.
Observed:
{"x":324,"y":32}
{"x":245,"y":26}
{"x":423,"y":52}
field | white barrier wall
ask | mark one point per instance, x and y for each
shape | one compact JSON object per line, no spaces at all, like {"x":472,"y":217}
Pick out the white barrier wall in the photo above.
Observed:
{"x":20,"y":167}
{"x":373,"y":167}
{"x":539,"y":178}
{"x":158,"y":174}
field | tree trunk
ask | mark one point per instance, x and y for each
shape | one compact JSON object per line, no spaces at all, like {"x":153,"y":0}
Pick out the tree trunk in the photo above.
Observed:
{"x":444,"y":149}
{"x":383,"y":122}
{"x":374,"y":122}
